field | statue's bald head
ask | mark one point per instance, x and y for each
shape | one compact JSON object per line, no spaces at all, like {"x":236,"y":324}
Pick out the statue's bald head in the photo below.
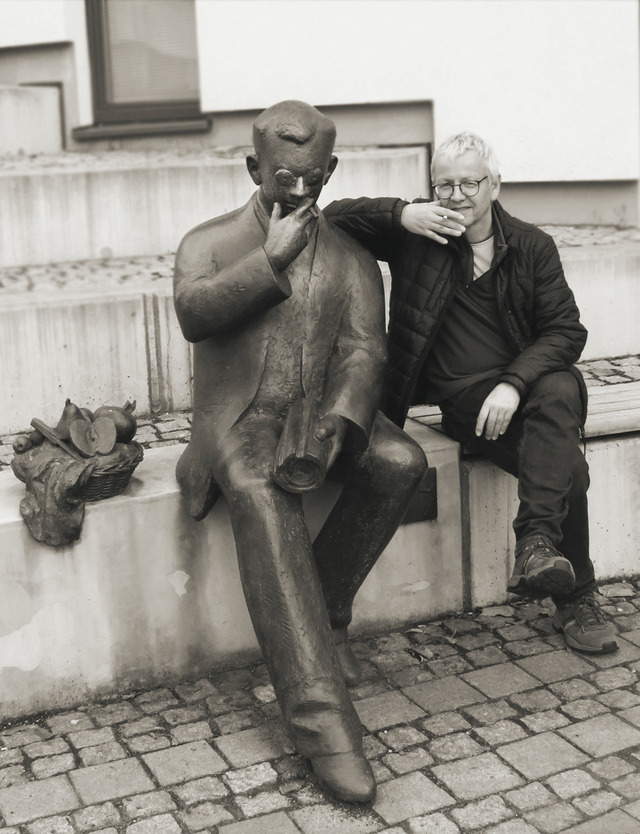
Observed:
{"x":293,"y":121}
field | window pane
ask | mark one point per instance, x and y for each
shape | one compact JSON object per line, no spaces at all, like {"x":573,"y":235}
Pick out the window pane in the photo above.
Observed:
{"x":150,"y":51}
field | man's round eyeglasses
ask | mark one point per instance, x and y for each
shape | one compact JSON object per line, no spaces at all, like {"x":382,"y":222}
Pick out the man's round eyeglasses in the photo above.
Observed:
{"x":469,"y":188}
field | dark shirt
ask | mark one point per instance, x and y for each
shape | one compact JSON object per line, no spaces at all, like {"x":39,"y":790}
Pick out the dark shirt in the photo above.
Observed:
{"x":471,"y":344}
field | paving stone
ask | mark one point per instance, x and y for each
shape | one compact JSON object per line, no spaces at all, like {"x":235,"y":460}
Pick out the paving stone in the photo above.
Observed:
{"x":572,"y":783}
{"x":13,"y":756}
{"x":22,"y":736}
{"x":90,"y":738}
{"x":325,"y":819}
{"x":626,"y":653}
{"x":54,"y":747}
{"x":110,"y":781}
{"x":148,"y":742}
{"x":444,"y":695}
{"x":191,"y":732}
{"x":262,"y":803}
{"x":535,"y":700}
{"x":515,"y":632}
{"x":489,"y":712}
{"x":480,"y":776}
{"x":52,"y":765}
{"x":156,"y":702}
{"x":541,"y":755}
{"x":573,"y":689}
{"x":200,"y":790}
{"x":69,"y":722}
{"x":96,"y":816}
{"x":372,"y":747}
{"x":534,"y":795}
{"x":21,"y":803}
{"x":526,"y":648}
{"x":386,"y":710}
{"x":147,"y":805}
{"x":632,"y":715}
{"x":140,"y":726}
{"x":432,"y":824}
{"x":584,"y":708}
{"x":542,"y":722}
{"x":202,"y":816}
{"x":183,"y":715}
{"x":487,"y":656}
{"x":500,"y":733}
{"x":233,"y":722}
{"x":613,"y":767}
{"x":597,"y":804}
{"x":51,"y":825}
{"x":629,"y":786}
{"x":553,"y":818}
{"x":499,"y":681}
{"x":400,"y":737}
{"x":163,"y":824}
{"x":512,"y":827}
{"x":101,"y":753}
{"x":252,"y":746}
{"x":13,"y":775}
{"x":407,"y":677}
{"x":602,"y":736}
{"x":183,"y":762}
{"x":446,"y":666}
{"x":454,"y":746}
{"x":196,"y":691}
{"x":614,"y":678}
{"x":116,"y":713}
{"x":619,"y":699}
{"x":408,"y":761}
{"x":251,"y":778}
{"x":444,"y":722}
{"x":409,"y":796}
{"x":482,"y":813}
{"x":278,"y":823}
{"x":381,"y":773}
{"x":616,"y":822}
{"x":555,"y":666}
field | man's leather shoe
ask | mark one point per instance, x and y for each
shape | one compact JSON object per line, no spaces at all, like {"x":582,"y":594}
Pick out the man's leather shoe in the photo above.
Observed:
{"x":540,"y":570}
{"x":347,"y":776}
{"x":349,"y":663}
{"x":584,"y":625}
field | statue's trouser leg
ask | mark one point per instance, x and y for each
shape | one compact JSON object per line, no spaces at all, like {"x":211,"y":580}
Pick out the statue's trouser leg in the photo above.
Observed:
{"x":378,"y":486}
{"x":286,"y":604}
{"x":541,"y":448}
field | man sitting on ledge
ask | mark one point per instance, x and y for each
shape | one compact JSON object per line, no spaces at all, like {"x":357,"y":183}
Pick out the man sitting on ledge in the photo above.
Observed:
{"x":487,"y":328}
{"x":281,"y":305}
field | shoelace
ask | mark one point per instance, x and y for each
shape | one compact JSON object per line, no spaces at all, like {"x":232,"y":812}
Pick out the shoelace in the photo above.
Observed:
{"x":587,"y":612}
{"x":529,"y":550}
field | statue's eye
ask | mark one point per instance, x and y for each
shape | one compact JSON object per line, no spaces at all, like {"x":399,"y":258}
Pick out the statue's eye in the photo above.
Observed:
{"x":284,"y":177}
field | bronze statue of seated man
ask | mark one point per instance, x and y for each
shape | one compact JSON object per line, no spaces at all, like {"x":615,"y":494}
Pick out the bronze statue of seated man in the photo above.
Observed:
{"x":281,"y":305}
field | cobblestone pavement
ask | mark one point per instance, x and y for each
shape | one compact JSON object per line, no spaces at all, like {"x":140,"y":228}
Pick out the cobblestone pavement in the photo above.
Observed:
{"x":477,"y":722}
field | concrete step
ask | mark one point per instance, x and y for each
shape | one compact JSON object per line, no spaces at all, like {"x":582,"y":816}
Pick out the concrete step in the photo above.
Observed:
{"x":31,"y":120}
{"x":104,"y":331}
{"x":79,"y":206}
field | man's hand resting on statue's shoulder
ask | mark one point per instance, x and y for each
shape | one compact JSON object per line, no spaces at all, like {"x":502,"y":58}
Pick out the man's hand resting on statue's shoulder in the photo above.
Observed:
{"x":428,"y":219}
{"x":287,"y":236}
{"x":332,"y":427}
{"x":497,"y":411}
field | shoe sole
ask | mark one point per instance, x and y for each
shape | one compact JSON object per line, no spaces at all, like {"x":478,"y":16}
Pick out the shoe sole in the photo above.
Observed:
{"x":553,"y":580}
{"x":606,"y":648}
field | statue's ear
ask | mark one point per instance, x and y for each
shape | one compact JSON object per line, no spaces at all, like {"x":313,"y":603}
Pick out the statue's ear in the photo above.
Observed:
{"x":331,"y":168}
{"x":253,"y":167}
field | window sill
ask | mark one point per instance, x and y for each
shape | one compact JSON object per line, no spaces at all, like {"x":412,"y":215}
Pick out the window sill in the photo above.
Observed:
{"x":115,"y":131}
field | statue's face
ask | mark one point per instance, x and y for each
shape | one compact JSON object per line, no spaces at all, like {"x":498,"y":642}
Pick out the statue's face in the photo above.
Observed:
{"x":291,"y":174}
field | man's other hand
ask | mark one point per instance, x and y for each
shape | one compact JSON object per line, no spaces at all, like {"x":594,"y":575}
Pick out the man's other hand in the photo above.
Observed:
{"x":332,"y":428}
{"x":431,"y":220}
{"x":287,"y":236}
{"x":497,"y":411}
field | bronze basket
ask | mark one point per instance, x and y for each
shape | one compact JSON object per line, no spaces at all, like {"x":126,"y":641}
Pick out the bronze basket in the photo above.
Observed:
{"x":110,"y":480}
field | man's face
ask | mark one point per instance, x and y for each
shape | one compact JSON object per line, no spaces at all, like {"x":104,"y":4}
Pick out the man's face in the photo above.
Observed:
{"x":291,"y":174}
{"x":477,"y":209}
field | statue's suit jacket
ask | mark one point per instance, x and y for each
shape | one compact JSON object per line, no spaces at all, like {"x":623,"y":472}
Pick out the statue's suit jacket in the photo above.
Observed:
{"x":235,"y":307}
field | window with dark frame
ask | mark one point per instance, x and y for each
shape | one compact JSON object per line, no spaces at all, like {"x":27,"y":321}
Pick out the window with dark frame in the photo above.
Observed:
{"x":144,"y":60}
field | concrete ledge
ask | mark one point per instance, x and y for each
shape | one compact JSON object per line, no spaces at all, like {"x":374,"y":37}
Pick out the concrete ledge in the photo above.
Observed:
{"x":30,"y":119}
{"x":149,"y":595}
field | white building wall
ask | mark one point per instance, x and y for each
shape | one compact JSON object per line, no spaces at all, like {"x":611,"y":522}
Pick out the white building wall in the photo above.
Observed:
{"x":553,"y":84}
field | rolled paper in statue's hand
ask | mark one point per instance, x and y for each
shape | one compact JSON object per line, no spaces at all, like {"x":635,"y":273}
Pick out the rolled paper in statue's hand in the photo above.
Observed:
{"x":301,"y":459}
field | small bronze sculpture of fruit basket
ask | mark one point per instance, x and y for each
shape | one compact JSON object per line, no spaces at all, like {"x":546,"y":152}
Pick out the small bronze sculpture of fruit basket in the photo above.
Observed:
{"x":104,"y":438}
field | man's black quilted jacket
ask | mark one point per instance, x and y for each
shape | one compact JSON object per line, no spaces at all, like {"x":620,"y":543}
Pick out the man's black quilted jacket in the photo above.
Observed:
{"x":537,"y":308}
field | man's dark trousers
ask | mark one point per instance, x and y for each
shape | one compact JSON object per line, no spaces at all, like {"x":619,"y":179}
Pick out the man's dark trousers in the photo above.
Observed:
{"x":541,"y":448}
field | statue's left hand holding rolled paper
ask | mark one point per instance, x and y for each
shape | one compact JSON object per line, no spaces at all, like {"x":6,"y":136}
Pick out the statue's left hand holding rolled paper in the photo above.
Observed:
{"x":301,"y":459}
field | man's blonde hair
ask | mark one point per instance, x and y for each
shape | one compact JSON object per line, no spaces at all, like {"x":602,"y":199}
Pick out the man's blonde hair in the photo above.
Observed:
{"x":460,"y":143}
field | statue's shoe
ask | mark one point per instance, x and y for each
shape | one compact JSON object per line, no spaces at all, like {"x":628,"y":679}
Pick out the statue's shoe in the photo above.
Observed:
{"x":349,"y":663}
{"x":346,"y":776}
